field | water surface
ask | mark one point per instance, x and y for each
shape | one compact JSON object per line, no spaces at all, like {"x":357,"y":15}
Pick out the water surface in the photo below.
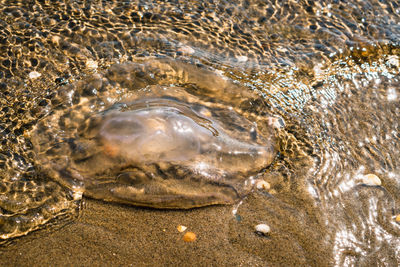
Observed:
{"x":326,"y":72}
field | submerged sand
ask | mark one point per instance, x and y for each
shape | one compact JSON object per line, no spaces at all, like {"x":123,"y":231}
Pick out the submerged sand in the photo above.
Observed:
{"x":120,"y":235}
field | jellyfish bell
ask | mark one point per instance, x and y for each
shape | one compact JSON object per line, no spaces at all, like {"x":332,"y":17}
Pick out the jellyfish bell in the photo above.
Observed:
{"x":160,"y":147}
{"x":153,"y":134}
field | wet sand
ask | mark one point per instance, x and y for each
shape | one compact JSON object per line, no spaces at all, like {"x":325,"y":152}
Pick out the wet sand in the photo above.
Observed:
{"x":109,"y":234}
{"x":121,"y":235}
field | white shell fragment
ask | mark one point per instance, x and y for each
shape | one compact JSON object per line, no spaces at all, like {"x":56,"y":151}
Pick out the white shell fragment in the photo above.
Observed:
{"x":186,"y":50}
{"x":181,"y":228}
{"x":262,"y":228}
{"x":276,"y":122}
{"x":77,"y":193}
{"x":91,"y":64}
{"x":371,"y":180}
{"x":34,"y":75}
{"x":263,"y":185}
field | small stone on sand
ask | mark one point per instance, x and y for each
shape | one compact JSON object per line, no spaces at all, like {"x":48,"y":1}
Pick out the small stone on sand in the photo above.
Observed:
{"x":276,"y":122}
{"x":77,"y":193}
{"x":34,"y":75}
{"x":263,"y":185}
{"x":371,"y":179}
{"x":91,"y":64}
{"x":186,"y":50}
{"x":181,"y":228}
{"x":189,"y":237}
{"x":262,"y":228}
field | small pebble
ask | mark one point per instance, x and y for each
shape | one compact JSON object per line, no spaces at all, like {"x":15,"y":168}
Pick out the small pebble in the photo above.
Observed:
{"x":181,"y":228}
{"x":77,"y":193}
{"x":91,"y":64}
{"x":189,"y":237}
{"x":393,"y":60}
{"x":397,"y":218}
{"x":34,"y":75}
{"x":276,"y":122}
{"x":263,"y":185}
{"x":186,"y":50}
{"x":262,"y":228}
{"x":371,"y":179}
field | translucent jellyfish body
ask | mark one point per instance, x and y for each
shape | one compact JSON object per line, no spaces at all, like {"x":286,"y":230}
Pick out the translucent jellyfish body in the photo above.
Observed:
{"x":161,"y":147}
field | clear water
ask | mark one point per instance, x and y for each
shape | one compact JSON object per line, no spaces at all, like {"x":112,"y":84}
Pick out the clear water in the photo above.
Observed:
{"x":325,"y":72}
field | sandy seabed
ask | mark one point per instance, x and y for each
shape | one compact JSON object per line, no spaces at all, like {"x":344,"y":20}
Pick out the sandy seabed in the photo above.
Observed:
{"x":119,"y":235}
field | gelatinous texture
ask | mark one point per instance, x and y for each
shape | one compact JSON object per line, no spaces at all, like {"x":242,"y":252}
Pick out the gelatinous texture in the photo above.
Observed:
{"x":163,"y":132}
{"x":162,"y":139}
{"x":161,"y":147}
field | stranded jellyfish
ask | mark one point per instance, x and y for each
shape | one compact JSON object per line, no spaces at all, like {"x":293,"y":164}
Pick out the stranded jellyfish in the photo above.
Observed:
{"x":163,"y":148}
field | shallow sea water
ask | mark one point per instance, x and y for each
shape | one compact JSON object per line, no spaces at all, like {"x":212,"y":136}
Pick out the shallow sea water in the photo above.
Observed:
{"x":324,"y":74}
